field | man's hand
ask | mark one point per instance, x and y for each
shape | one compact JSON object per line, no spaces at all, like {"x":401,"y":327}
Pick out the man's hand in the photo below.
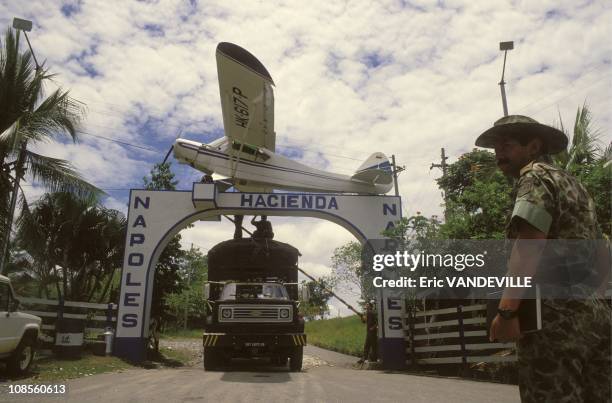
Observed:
{"x":505,"y":330}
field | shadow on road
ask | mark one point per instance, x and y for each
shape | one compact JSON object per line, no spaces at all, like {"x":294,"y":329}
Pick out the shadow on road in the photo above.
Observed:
{"x":255,"y":371}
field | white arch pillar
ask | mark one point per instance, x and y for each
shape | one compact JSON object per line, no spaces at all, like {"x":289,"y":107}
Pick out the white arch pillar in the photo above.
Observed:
{"x":154,"y":217}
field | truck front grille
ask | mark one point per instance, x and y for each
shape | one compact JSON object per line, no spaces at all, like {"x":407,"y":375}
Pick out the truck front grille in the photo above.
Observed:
{"x":255,"y":313}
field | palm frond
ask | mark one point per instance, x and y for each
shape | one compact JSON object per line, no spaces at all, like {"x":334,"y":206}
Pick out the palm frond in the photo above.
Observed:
{"x":59,"y":176}
{"x":585,"y":141}
{"x":20,"y":85}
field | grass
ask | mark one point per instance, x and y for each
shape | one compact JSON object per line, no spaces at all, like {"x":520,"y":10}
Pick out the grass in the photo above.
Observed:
{"x":344,"y":335}
{"x":49,"y":369}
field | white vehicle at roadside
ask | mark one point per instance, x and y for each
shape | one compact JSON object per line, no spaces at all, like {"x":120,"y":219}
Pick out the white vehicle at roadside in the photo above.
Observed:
{"x":18,"y":331}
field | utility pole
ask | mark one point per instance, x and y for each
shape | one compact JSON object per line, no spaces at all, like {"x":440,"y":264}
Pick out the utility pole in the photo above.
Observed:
{"x":443,"y":165}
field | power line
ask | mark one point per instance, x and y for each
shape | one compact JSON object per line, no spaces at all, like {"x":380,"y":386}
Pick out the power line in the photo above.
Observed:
{"x":565,"y":96}
{"x":125,"y":143}
{"x":571,"y":93}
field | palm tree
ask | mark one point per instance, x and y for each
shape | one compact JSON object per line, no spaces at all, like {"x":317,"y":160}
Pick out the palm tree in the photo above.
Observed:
{"x":591,"y":164}
{"x":27,"y":117}
{"x":585,"y":142}
{"x":76,"y":245}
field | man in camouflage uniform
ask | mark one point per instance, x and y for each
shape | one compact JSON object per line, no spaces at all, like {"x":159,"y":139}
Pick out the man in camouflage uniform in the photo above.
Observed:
{"x":569,"y":359}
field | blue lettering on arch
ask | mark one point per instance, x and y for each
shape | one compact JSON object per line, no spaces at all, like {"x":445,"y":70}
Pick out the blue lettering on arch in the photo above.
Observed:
{"x":392,"y":209}
{"x":129,"y":320}
{"x":390,"y":224}
{"x":135,"y":259}
{"x":395,"y":323}
{"x":320,"y":202}
{"x":140,"y":221}
{"x":246,"y":200}
{"x":137,"y":239}
{"x":128,"y":281}
{"x":260,"y":201}
{"x":144,"y":204}
{"x":273,"y":201}
{"x":129,"y":299}
{"x":306,"y":201}
{"x":393,"y":304}
{"x":333,"y":204}
{"x":292,"y":201}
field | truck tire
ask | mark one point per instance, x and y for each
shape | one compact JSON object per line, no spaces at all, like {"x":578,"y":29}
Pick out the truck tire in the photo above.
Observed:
{"x":212,"y":359}
{"x":20,"y":362}
{"x":295,"y":359}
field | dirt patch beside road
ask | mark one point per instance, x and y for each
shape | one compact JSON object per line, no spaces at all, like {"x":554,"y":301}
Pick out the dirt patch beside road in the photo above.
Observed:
{"x":188,"y":351}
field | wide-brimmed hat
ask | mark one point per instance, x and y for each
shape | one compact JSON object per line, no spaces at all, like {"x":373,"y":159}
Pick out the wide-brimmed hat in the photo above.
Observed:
{"x":509,"y":126}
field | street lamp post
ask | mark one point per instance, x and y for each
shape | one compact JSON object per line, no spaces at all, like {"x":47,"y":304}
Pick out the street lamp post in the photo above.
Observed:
{"x":505,"y":46}
{"x":25,"y":26}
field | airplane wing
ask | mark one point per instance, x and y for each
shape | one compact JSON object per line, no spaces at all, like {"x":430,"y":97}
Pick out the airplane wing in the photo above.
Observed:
{"x":247,"y":100}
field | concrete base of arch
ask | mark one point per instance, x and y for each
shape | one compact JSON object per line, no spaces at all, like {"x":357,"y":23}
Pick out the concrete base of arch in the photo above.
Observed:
{"x":154,"y":217}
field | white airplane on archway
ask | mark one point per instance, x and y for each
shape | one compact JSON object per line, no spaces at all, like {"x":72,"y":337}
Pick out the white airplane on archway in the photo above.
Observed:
{"x":246,"y":154}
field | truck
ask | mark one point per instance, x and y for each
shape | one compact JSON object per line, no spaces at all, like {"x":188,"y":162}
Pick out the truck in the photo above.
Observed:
{"x":18,"y":331}
{"x":252,"y":302}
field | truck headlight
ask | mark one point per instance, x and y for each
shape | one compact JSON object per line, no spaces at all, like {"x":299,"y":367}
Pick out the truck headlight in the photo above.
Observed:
{"x":226,"y":313}
{"x":284,"y":313}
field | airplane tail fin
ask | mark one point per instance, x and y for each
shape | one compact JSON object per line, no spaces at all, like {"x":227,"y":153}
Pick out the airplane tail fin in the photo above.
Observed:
{"x":375,"y":169}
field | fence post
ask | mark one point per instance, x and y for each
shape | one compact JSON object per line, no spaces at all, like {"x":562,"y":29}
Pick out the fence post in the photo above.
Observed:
{"x":59,"y":317}
{"x":60,"y":310}
{"x":411,"y":319}
{"x":109,"y":315}
{"x":462,"y":337}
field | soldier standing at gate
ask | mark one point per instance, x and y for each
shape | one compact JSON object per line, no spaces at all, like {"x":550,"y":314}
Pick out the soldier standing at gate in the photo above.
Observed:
{"x":370,"y":347}
{"x":568,"y":360}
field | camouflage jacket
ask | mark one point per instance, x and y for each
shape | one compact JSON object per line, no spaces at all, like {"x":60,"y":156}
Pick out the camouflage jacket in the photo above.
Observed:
{"x":557,"y":204}
{"x":554,"y":202}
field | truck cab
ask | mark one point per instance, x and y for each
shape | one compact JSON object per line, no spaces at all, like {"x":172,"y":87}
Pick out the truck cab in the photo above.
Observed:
{"x":252,"y":304}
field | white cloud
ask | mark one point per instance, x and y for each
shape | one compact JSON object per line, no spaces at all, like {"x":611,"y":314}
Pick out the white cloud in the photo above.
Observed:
{"x":406,"y":80}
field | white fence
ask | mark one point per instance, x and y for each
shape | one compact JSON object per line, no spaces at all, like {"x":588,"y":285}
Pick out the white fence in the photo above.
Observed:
{"x":456,"y":335}
{"x":97,"y":317}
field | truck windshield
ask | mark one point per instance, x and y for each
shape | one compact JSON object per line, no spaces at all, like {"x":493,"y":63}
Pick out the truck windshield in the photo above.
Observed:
{"x":254,"y":291}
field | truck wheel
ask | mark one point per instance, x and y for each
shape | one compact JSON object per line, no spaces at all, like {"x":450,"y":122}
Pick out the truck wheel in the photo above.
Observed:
{"x":23,"y":357}
{"x":295,"y":359}
{"x":212,"y":359}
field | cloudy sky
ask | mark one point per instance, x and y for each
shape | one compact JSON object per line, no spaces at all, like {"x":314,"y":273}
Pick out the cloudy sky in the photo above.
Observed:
{"x":402,"y":77}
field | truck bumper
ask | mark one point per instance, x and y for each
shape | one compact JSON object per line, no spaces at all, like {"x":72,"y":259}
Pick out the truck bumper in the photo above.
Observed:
{"x":268,"y":341}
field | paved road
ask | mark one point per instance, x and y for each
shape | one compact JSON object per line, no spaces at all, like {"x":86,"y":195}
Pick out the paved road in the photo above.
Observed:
{"x":328,"y":377}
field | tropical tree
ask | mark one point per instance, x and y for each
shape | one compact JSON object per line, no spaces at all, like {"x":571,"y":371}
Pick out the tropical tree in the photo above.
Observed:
{"x":168,"y":278}
{"x":589,"y":161}
{"x":74,"y":245}
{"x":189,"y":303}
{"x":319,"y":296}
{"x":27,"y":117}
{"x":349,"y":272}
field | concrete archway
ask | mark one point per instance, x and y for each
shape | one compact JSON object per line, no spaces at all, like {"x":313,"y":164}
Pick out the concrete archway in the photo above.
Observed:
{"x":154,"y":217}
